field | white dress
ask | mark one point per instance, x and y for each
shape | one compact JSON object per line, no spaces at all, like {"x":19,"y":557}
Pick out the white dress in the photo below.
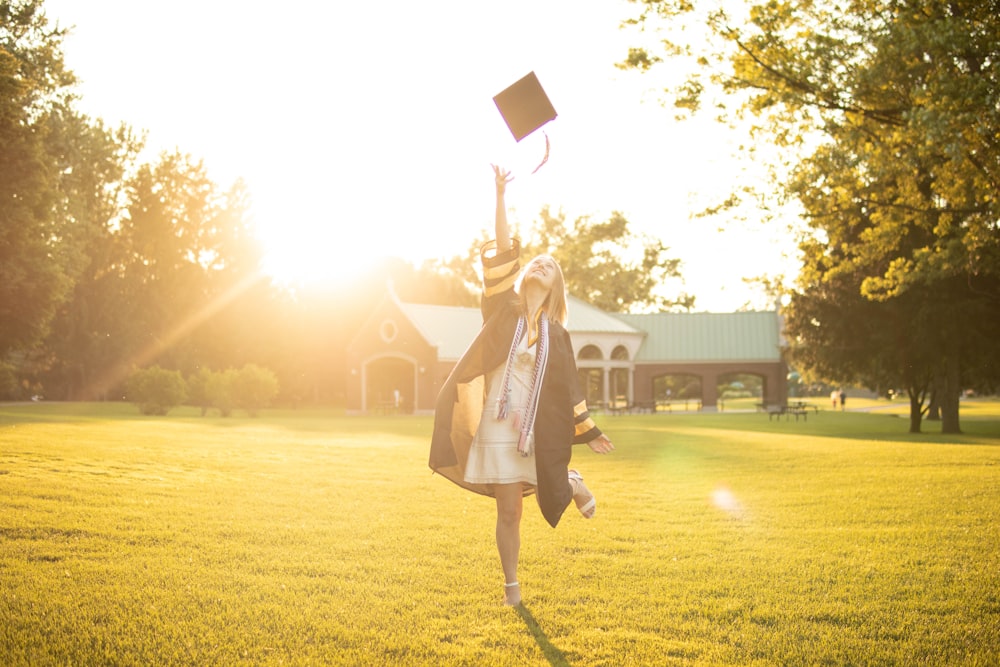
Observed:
{"x":493,"y":456}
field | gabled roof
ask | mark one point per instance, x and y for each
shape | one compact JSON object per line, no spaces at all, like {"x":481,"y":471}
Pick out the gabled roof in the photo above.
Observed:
{"x":452,"y":328}
{"x":584,"y":317}
{"x":668,"y":337}
{"x":690,"y":337}
{"x":449,"y":328}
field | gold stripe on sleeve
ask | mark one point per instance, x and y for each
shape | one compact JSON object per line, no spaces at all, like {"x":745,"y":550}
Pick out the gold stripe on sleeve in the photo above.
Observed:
{"x":497,"y":271}
{"x":584,"y":426}
{"x":502,"y":286}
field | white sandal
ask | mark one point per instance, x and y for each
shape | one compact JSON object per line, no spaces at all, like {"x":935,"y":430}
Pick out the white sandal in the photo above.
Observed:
{"x":589,"y":508}
{"x":506,"y":600}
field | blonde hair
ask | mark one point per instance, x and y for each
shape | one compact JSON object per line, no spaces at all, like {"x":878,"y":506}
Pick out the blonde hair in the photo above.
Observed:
{"x":555,"y":303}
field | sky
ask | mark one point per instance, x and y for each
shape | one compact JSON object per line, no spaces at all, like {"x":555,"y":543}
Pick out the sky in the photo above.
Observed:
{"x":365,"y":130}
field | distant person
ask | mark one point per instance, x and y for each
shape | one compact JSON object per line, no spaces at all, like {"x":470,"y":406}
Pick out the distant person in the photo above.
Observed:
{"x":511,"y":410}
{"x":834,"y":398}
{"x":843,"y":399}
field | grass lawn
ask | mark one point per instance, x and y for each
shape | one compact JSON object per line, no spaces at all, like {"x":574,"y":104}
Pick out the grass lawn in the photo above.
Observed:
{"x":313,"y":538}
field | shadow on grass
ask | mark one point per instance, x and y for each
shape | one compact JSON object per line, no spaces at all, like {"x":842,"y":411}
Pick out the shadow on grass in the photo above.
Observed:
{"x":549,"y":650}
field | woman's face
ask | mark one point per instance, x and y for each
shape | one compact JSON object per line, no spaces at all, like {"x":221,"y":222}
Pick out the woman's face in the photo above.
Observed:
{"x":541,"y":272}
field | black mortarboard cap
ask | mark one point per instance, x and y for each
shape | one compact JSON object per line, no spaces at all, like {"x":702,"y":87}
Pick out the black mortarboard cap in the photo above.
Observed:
{"x":524,"y":106}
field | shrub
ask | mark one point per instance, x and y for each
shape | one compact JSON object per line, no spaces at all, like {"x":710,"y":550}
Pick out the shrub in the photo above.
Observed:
{"x":198,"y":389}
{"x":219,"y":389}
{"x":156,"y":390}
{"x":254,"y":388}
{"x":9,"y":388}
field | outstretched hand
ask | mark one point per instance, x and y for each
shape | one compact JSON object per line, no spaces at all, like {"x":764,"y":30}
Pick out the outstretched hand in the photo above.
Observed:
{"x":601,"y":444}
{"x":502,"y":178}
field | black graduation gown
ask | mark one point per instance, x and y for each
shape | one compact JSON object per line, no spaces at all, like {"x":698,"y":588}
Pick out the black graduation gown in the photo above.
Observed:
{"x":562,"y":419}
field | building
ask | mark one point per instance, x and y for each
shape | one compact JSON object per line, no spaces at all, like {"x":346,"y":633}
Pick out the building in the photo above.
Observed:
{"x":403,"y":353}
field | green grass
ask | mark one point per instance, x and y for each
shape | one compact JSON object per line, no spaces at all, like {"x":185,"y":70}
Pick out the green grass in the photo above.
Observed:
{"x":313,"y":538}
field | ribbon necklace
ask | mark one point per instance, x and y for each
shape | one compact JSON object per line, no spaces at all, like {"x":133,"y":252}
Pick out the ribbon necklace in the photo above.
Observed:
{"x":526,"y":422}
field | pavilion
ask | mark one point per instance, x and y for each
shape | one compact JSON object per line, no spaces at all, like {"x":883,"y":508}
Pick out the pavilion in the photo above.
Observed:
{"x":401,"y":356}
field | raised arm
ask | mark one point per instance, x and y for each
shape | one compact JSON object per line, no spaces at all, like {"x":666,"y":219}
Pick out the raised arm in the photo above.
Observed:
{"x":502,"y":178}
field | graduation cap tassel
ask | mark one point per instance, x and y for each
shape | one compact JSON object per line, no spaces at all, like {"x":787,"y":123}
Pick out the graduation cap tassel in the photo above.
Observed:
{"x":545,"y":158}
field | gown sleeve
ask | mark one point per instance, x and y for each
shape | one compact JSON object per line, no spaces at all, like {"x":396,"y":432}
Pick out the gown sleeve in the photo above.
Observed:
{"x":584,"y":427}
{"x":500,"y":271}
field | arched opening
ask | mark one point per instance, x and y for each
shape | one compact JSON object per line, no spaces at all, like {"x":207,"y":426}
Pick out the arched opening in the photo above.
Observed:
{"x":619,"y":385}
{"x":390,"y":383}
{"x":682,"y":390}
{"x":739,"y":391}
{"x":592,"y":384}
{"x":591,"y":375}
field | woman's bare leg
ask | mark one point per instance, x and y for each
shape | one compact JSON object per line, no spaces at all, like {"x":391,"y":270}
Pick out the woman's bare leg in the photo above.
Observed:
{"x":509,"y":506}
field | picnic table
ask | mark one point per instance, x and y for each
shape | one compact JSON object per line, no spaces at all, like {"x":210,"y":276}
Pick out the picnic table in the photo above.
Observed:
{"x":788,"y":410}
{"x":668,"y":406}
{"x":386,"y":408}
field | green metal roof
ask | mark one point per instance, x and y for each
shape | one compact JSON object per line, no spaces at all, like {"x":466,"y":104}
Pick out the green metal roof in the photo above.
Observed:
{"x":669,"y":337}
{"x":701,"y":337}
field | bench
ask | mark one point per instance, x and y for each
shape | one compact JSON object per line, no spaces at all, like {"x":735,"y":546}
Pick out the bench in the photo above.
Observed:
{"x":798,"y":412}
{"x":788,"y":411}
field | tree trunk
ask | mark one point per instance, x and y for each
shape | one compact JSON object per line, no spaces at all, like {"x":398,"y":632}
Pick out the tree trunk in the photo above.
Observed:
{"x":934,"y":409}
{"x":951,"y":391}
{"x":937,"y":391}
{"x":916,"y":409}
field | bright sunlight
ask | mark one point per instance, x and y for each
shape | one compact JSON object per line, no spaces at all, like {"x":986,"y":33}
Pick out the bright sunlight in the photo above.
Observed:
{"x":373,"y":137}
{"x":321,"y":256}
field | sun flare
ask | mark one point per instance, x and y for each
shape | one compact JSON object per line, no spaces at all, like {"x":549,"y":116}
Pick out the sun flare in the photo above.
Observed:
{"x":725,"y":500}
{"x":321,"y":260}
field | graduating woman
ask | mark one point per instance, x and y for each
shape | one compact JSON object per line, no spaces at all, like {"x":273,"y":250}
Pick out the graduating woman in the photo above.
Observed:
{"x":511,"y":410}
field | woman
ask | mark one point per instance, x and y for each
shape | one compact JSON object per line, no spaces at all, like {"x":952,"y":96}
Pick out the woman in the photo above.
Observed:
{"x":512,"y":408}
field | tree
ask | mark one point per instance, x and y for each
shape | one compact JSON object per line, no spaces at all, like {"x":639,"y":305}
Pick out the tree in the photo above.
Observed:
{"x":33,"y":81}
{"x":107,"y":264}
{"x":182,"y":261}
{"x":841,"y":334}
{"x":254,"y":388}
{"x":93,"y":162}
{"x":894,"y":106}
{"x":156,"y":390}
{"x":220,"y":389}
{"x":197,"y":385}
{"x":594,"y":261}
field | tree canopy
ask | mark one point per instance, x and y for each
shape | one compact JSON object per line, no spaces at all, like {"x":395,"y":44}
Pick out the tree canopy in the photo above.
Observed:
{"x":33,"y":84}
{"x":603,"y":263}
{"x":890,"y":112}
{"x":107,"y":263}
